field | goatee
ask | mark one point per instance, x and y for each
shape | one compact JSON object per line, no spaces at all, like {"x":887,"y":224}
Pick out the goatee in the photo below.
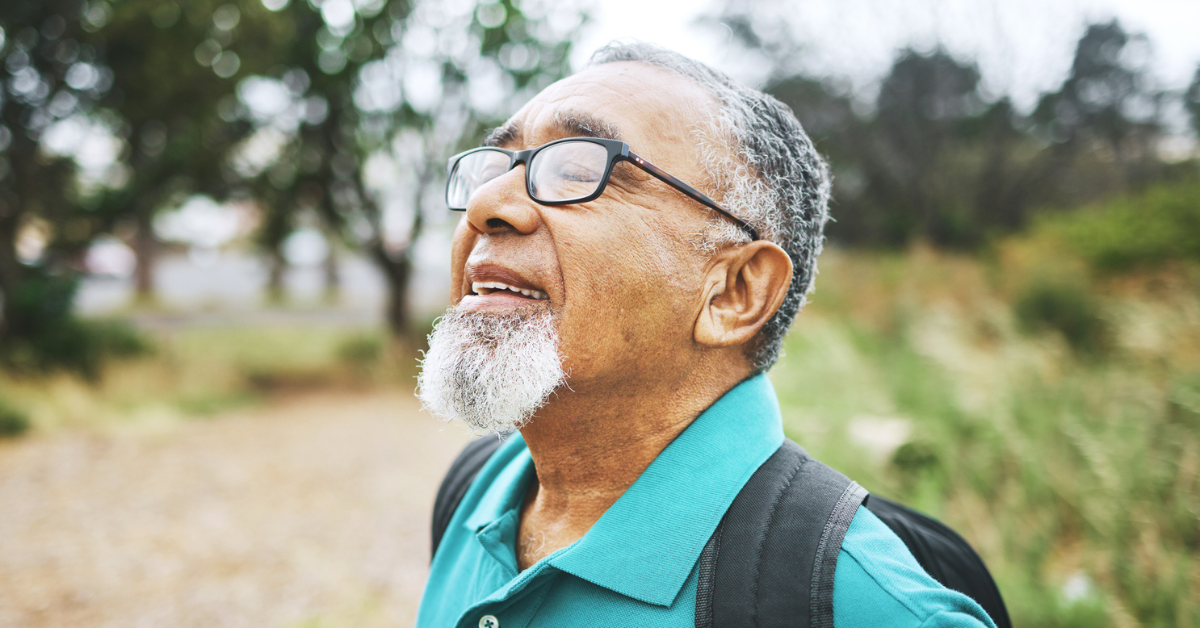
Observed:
{"x":491,"y":370}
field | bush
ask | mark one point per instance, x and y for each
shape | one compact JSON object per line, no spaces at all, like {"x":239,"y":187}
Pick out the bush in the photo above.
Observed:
{"x":1184,"y":399}
{"x":1066,"y":308}
{"x":1159,"y":225}
{"x":360,"y":351}
{"x":13,"y":422}
{"x":42,"y":334}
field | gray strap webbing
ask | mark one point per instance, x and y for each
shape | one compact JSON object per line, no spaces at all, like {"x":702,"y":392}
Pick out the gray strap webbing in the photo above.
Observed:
{"x":825,"y":562}
{"x":704,"y":586}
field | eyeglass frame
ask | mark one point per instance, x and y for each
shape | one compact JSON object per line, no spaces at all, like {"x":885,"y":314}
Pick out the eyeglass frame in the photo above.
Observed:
{"x":617,"y":151}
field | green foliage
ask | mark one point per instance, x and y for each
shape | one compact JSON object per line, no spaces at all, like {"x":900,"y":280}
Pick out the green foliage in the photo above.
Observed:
{"x":914,"y":459}
{"x":208,"y":372}
{"x":180,"y":85}
{"x":1038,"y":605}
{"x":214,"y":403}
{"x":44,"y":335}
{"x":13,"y":422}
{"x":1159,"y":225}
{"x":360,"y":351}
{"x":1067,"y":308}
{"x":1185,"y":400}
{"x":1191,"y":100}
{"x":348,"y":78}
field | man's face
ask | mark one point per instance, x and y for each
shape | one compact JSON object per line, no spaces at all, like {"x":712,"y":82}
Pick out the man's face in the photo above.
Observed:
{"x":620,"y":274}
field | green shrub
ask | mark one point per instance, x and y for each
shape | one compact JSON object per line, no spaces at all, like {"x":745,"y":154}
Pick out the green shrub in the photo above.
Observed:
{"x":42,"y":334}
{"x":1159,"y":225}
{"x":360,"y":351}
{"x":214,"y":403}
{"x":1069,"y":309}
{"x":914,"y":458}
{"x":13,"y":422}
{"x":1184,"y":399}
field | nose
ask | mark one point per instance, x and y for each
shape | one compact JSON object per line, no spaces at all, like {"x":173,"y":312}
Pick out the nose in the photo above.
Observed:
{"x":503,"y":205}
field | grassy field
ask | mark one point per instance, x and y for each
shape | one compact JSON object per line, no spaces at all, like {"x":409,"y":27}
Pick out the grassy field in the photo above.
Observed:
{"x":198,"y":372}
{"x":1051,"y":417}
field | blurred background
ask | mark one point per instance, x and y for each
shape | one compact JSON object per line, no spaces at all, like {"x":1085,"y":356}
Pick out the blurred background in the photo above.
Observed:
{"x":222,"y":242}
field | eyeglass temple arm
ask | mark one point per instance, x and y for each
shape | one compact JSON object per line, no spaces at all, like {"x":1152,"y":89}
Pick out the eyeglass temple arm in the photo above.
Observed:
{"x":699,"y":197}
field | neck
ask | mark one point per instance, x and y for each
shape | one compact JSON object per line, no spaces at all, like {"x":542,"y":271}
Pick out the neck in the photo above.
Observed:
{"x":590,"y":445}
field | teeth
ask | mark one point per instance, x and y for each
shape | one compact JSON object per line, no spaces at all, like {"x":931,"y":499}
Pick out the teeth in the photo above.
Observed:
{"x":488,"y":287}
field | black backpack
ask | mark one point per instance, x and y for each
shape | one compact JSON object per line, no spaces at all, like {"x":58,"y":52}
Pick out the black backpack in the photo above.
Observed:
{"x":771,"y":560}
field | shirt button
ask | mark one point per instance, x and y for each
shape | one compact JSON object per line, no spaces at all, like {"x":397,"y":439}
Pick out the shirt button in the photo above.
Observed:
{"x":489,"y":621}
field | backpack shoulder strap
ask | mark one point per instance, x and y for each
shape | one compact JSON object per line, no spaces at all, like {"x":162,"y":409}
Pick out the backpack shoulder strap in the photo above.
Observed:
{"x":944,"y":555}
{"x":458,"y":479}
{"x":789,"y":518}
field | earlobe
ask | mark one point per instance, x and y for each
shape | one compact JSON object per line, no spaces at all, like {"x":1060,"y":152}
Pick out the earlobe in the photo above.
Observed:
{"x":744,"y":288}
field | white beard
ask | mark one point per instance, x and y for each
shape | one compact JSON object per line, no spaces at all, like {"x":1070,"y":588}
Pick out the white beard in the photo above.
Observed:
{"x":492,"y":371}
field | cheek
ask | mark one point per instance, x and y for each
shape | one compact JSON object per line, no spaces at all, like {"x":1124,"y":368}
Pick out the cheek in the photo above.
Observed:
{"x":629,"y":297}
{"x":460,"y":250}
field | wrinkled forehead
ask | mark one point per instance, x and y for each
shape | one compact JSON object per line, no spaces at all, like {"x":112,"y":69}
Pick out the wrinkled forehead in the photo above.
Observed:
{"x":653,"y":109}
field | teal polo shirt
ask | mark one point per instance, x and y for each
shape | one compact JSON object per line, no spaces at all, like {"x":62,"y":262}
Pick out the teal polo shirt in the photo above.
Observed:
{"x":637,"y":566}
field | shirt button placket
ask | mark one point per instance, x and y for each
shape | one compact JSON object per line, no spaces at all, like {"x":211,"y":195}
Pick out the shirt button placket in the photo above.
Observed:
{"x":489,"y":621}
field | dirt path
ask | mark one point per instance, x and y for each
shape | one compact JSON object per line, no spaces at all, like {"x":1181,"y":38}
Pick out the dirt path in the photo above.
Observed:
{"x":310,"y":511}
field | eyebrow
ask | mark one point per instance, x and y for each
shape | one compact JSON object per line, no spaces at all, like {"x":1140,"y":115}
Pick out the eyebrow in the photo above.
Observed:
{"x":586,"y":125}
{"x":571,"y":123}
{"x":507,"y":134}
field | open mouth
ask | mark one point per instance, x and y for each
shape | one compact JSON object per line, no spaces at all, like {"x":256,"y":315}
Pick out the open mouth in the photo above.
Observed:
{"x":484,"y":288}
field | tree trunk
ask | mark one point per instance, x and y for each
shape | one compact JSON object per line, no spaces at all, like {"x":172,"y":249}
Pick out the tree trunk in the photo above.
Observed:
{"x":277,"y":268}
{"x":398,"y":269}
{"x":145,"y":251}
{"x":332,"y":273}
{"x":398,"y":273}
{"x":10,"y":269}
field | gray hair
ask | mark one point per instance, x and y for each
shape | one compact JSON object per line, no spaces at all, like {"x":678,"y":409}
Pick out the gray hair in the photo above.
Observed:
{"x":763,"y":168}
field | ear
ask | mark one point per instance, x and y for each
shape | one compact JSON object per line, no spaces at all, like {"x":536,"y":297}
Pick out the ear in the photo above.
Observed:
{"x":743,"y":289}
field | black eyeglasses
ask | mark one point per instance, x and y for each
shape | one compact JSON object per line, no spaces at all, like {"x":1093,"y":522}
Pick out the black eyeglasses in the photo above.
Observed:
{"x":572,"y":170}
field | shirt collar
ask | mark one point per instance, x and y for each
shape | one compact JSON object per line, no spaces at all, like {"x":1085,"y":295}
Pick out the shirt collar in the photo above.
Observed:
{"x":646,"y":544}
{"x":507,"y":489}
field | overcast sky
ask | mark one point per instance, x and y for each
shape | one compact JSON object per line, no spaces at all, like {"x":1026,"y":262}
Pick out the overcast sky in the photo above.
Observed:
{"x":1024,"y":47}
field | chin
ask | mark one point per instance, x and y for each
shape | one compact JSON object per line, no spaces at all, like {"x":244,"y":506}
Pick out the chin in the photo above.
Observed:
{"x":492,"y":368}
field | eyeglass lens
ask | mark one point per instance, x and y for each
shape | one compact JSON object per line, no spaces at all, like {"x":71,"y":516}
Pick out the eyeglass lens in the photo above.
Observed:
{"x":473,"y":172}
{"x":562,"y":172}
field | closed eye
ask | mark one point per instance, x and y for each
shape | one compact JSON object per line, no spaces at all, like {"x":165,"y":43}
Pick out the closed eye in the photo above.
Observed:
{"x":578,"y":173}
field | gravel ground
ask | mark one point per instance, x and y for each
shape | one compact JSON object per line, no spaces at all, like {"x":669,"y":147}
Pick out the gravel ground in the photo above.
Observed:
{"x":311,"y":510}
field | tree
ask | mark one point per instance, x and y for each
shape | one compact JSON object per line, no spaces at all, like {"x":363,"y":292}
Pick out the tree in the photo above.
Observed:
{"x":1105,"y":108}
{"x":345,"y":108}
{"x":48,"y":78}
{"x":1191,"y":100}
{"x":930,"y":160}
{"x":380,"y":94}
{"x":909,"y":164}
{"x":175,"y":71}
{"x":914,"y":162}
{"x":931,"y":157}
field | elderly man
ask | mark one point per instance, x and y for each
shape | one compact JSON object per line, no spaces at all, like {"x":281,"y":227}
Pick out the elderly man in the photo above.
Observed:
{"x":636,"y":242}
